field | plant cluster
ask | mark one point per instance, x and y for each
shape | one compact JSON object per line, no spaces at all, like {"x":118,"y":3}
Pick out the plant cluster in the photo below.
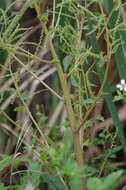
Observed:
{"x":62,"y":110}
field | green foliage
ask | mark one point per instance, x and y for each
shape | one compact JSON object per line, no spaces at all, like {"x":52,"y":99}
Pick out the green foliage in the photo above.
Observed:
{"x":2,"y":187}
{"x":109,"y":182}
{"x":7,"y":160}
{"x":50,"y":145}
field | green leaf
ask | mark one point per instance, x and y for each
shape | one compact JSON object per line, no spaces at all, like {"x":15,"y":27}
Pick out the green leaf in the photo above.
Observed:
{"x":2,"y":187}
{"x":99,"y":1}
{"x":67,"y":139}
{"x":7,"y":160}
{"x":75,"y":183}
{"x":66,"y":62}
{"x":35,"y":176}
{"x":94,"y":184}
{"x":109,"y":182}
{"x":19,"y":109}
{"x":117,"y":98}
{"x":2,"y":4}
{"x":54,"y":183}
{"x":74,"y":81}
{"x":89,"y":170}
{"x":87,"y":101}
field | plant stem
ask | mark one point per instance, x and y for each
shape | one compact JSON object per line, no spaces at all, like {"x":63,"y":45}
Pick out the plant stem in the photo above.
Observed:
{"x":78,"y":152}
{"x":71,"y":116}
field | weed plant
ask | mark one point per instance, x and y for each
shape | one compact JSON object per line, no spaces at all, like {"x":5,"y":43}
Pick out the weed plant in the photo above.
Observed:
{"x":81,"y":50}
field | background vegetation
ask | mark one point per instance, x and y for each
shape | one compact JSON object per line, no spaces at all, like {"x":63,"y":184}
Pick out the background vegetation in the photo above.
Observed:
{"x":62,"y":94}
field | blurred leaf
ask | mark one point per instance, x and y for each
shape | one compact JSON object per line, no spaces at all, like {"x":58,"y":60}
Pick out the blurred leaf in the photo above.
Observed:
{"x":94,"y":184}
{"x":2,"y":187}
{"x":118,"y":98}
{"x":67,"y":140}
{"x":99,"y":1}
{"x":66,"y":62}
{"x":36,"y":175}
{"x":3,"y":4}
{"x":53,"y":182}
{"x":7,"y":160}
{"x":74,"y":81}
{"x":89,"y":170}
{"x":3,"y":56}
{"x":87,"y":101}
{"x":109,"y":182}
{"x":19,"y":109}
{"x":75,"y":183}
